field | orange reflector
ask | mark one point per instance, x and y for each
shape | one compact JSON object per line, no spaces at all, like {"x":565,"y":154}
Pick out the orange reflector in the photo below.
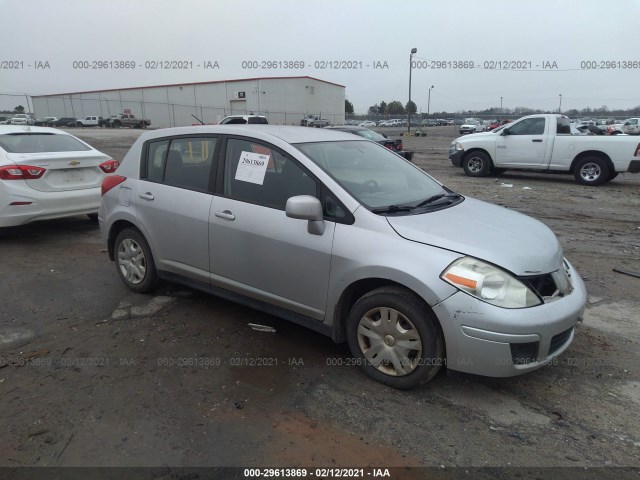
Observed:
{"x":461,"y":280}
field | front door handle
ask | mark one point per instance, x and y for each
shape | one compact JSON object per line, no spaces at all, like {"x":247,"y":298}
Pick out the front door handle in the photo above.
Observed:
{"x":539,"y":140}
{"x":146,"y":196}
{"x":227,"y":215}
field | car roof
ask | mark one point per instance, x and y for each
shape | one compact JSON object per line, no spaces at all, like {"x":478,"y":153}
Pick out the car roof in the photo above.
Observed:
{"x":289,"y":134}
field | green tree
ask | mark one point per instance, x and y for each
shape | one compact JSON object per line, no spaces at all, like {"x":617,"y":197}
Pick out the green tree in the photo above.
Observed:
{"x":411,"y":107}
{"x":19,"y":109}
{"x":374,"y":110}
{"x":395,"y":108}
{"x":383,"y":108}
{"x":348,"y":107}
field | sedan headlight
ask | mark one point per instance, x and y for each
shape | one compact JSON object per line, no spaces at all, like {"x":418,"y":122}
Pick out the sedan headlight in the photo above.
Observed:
{"x":459,"y":146}
{"x":489,"y":284}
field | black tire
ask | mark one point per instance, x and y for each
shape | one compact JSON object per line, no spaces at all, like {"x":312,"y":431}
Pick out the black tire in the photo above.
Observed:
{"x":416,"y":320}
{"x":116,"y":124}
{"x":591,"y":171}
{"x":143,"y":277}
{"x":612,"y":175}
{"x":476,"y":164}
{"x":93,"y":217}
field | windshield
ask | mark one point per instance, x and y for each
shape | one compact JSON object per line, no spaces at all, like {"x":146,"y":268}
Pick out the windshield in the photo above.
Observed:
{"x":40,"y":142}
{"x":372,"y":174}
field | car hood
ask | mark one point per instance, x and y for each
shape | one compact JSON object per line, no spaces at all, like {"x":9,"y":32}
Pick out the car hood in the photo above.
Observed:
{"x":509,"y":239}
{"x":475,"y":135}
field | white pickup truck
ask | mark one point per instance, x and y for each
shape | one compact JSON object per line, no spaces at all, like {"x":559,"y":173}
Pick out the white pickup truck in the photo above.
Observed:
{"x":544,"y":143}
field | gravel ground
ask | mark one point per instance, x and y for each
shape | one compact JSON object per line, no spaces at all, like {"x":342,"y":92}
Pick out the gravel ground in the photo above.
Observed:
{"x":91,"y":374}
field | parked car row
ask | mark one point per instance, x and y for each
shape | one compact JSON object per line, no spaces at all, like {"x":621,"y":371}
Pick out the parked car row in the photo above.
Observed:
{"x":114,"y":121}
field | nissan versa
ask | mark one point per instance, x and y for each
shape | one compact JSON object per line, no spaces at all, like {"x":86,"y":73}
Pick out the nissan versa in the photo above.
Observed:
{"x":341,"y":235}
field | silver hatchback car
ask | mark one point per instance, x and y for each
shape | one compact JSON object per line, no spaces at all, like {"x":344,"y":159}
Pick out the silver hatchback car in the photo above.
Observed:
{"x":339,"y":234}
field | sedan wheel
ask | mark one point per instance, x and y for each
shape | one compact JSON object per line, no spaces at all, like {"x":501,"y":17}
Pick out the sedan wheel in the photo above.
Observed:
{"x":134,"y":261}
{"x":395,"y":338}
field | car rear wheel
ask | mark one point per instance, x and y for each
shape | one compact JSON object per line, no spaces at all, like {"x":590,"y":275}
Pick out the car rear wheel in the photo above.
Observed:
{"x":476,"y":164}
{"x":395,"y":338}
{"x":134,"y":262}
{"x":591,"y":171}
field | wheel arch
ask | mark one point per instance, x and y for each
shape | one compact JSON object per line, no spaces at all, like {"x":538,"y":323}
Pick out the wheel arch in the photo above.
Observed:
{"x":115,"y":229}
{"x":592,"y":153}
{"x":355,"y":291}
{"x":478,"y":149}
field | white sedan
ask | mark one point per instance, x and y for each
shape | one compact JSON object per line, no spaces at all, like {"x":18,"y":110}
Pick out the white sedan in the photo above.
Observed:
{"x":367,"y":123}
{"x":46,"y":173}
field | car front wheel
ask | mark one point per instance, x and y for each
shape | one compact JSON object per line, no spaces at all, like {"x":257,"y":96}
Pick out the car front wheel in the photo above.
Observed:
{"x":476,"y":164}
{"x":134,"y":262}
{"x":395,"y":338}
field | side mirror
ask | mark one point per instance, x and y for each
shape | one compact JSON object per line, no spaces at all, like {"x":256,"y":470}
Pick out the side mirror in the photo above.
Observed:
{"x":306,"y":207}
{"x":505,"y":131}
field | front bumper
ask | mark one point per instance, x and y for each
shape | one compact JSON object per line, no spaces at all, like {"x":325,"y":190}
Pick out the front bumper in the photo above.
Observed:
{"x":455,"y":156}
{"x":483,"y":339}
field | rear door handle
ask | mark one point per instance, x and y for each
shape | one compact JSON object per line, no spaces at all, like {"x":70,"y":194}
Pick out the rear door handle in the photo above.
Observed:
{"x":537,"y":140}
{"x":146,"y":196}
{"x":227,"y":215}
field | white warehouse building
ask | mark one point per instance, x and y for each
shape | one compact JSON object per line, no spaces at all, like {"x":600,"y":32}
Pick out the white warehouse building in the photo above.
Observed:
{"x":283,"y":100}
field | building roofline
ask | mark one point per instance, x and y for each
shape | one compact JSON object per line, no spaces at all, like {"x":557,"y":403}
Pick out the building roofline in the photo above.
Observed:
{"x":190,"y":83}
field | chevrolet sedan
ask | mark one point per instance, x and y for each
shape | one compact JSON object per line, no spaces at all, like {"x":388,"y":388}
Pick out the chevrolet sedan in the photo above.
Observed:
{"x":340,"y":235}
{"x":46,"y":173}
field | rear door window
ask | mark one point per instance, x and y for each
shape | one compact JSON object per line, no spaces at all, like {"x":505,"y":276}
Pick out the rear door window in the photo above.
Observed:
{"x":181,"y":162}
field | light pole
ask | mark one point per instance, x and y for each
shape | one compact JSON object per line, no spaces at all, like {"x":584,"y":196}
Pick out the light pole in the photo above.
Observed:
{"x":413,"y":50}
{"x":560,"y":107}
{"x":501,"y":106}
{"x":429,"y":101}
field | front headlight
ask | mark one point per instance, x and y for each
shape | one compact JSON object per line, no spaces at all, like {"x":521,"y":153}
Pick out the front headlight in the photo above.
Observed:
{"x":489,"y":284}
{"x":459,"y":146}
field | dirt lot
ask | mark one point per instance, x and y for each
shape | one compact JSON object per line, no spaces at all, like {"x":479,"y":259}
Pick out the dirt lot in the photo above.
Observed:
{"x":92,"y":374}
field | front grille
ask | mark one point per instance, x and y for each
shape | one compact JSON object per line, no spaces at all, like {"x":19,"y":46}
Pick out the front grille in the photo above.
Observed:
{"x":558,"y":341}
{"x":524,"y":353}
{"x":543,"y":285}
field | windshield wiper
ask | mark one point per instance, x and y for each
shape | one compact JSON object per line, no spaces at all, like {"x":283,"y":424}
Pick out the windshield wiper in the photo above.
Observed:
{"x":434,"y":198}
{"x":393,"y":209}
{"x":408,"y":208}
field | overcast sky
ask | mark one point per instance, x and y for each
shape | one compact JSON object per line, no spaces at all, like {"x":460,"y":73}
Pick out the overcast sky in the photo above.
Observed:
{"x":536,"y":33}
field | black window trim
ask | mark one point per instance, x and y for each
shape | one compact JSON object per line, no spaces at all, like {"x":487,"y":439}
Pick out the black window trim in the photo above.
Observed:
{"x":214,"y":161}
{"x":321,"y":189}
